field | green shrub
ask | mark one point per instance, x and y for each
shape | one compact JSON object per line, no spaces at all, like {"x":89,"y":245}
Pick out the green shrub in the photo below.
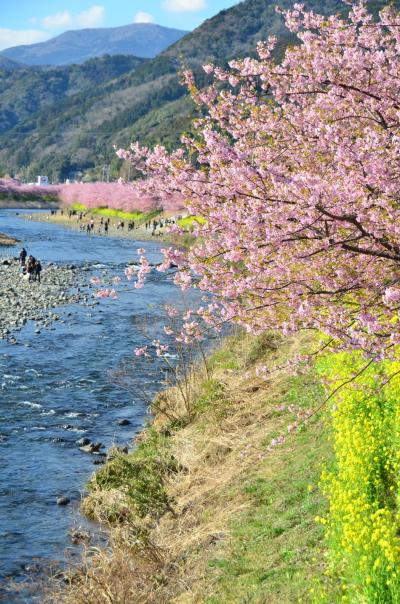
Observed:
{"x":264,"y":343}
{"x":141,"y":476}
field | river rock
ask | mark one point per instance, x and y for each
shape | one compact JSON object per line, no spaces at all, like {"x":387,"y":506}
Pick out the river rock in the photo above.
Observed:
{"x":83,"y":442}
{"x":91,"y":448}
{"x":123,"y":422}
{"x":63,"y":500}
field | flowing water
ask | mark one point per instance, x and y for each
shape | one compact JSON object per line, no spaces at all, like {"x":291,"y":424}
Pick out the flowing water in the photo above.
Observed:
{"x":58,"y":386}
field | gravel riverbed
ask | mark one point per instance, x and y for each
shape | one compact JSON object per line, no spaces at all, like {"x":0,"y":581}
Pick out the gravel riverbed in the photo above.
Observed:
{"x":22,"y":301}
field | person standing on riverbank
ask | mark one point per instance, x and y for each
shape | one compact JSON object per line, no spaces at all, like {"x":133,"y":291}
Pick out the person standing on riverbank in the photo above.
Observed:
{"x":38,"y":270}
{"x":22,"y":256}
{"x":30,"y":267}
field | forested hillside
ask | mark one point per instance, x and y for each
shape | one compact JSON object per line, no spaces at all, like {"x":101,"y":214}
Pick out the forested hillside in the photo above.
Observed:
{"x":147,"y":102}
{"x":9,"y":64}
{"x":25,"y":91}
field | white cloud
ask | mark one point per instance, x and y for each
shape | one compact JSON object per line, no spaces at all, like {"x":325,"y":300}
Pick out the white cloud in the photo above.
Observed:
{"x":184,"y":6}
{"x":142,"y":17}
{"x":91,"y":17}
{"x":57,"y":21}
{"x":12,"y":37}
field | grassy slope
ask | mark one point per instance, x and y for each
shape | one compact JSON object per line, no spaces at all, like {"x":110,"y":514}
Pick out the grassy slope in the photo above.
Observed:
{"x":242,"y":524}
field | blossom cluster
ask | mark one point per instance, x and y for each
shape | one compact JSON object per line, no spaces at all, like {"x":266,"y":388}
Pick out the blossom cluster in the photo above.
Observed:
{"x":295,"y":182}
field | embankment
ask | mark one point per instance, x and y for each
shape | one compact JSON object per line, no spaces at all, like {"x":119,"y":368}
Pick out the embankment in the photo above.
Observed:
{"x":211,"y":506}
{"x":7,"y":240}
{"x":245,"y":489}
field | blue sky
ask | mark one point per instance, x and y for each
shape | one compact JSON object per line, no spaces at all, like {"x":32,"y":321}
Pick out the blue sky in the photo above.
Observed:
{"x":29,"y":21}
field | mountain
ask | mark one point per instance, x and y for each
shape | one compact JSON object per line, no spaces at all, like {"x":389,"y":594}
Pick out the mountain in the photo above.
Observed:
{"x":147,"y":103}
{"x":138,"y":39}
{"x":9,"y":64}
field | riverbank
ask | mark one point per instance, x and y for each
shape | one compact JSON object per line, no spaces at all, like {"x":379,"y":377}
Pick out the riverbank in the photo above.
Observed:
{"x":207,"y":509}
{"x":22,"y":301}
{"x":139,"y":233}
{"x":7,"y":240}
{"x":27,"y":204}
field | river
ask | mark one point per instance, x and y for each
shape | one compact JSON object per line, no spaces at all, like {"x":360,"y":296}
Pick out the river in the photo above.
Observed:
{"x":59,"y":385}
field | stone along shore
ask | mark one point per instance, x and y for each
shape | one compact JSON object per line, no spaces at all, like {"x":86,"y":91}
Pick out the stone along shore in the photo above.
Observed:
{"x":22,"y":301}
{"x":7,"y":240}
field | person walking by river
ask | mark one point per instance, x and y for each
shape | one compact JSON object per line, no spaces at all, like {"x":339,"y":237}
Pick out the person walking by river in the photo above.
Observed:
{"x":22,"y":256}
{"x":37,"y":270}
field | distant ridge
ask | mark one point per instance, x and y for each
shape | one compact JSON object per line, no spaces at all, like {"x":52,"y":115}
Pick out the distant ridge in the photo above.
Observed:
{"x":9,"y":64}
{"x":144,"y":40}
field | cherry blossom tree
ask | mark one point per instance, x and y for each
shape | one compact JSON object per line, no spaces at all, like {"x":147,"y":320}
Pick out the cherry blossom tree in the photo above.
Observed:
{"x":116,"y":195}
{"x":296,"y":172}
{"x":13,"y":188}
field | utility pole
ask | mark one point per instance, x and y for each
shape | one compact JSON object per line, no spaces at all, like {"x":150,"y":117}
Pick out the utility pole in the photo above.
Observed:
{"x":105,"y":173}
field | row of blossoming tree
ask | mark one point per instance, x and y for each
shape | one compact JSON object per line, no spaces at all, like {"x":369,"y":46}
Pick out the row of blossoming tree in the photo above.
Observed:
{"x":116,"y":195}
{"x":13,"y":188}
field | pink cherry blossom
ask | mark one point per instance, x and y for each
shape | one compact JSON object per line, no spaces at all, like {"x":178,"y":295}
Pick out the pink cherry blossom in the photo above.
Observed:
{"x":139,"y":352}
{"x":106,"y":293}
{"x":296,"y":181}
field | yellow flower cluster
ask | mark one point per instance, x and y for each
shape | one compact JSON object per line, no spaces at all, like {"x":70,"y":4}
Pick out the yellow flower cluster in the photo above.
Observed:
{"x":362,"y":525}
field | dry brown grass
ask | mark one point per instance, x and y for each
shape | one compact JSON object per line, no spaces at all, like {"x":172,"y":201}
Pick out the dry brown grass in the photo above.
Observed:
{"x":166,"y":561}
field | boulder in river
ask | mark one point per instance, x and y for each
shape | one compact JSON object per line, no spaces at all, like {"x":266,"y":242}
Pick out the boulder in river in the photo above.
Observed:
{"x":123,"y":422}
{"x":83,"y":442}
{"x":63,"y":500}
{"x":91,"y":448}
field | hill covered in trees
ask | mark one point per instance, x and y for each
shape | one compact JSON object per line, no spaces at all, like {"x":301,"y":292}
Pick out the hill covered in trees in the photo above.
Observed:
{"x":77,"y":130}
